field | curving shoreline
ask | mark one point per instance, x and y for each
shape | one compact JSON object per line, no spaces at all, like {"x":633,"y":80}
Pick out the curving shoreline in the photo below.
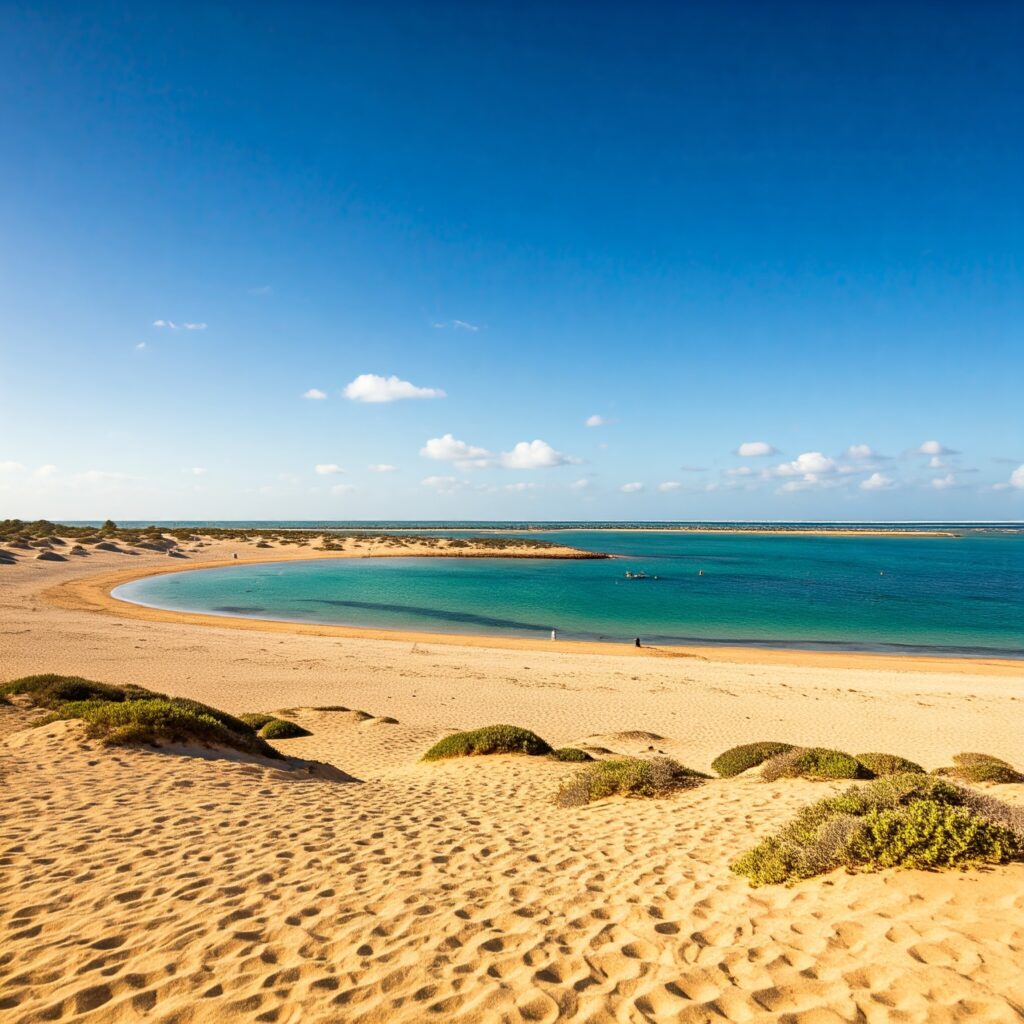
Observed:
{"x":94,"y":594}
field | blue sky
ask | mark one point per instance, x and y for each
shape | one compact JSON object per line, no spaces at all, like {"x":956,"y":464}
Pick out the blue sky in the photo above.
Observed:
{"x":701,"y":226}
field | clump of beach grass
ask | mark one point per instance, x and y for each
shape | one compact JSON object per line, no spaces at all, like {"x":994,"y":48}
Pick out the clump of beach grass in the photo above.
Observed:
{"x":280,"y":729}
{"x":133,"y":715}
{"x":572,"y":755}
{"x":889,"y":764}
{"x":739,"y":759}
{"x":491,"y":739}
{"x":628,"y":776}
{"x":971,"y":767}
{"x":815,"y":763}
{"x":906,"y":820}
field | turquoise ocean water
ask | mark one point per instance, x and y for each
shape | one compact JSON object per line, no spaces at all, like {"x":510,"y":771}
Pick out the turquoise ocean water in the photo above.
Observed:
{"x":962,"y":596}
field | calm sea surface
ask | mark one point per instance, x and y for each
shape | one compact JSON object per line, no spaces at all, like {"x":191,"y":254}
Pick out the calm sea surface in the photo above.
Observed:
{"x":960,"y":596}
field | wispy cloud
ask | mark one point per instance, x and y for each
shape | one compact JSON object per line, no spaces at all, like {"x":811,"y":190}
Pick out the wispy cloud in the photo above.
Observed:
{"x":185,"y":326}
{"x":458,"y":325}
{"x":521,"y":487}
{"x":327,"y":469}
{"x":369,"y":387}
{"x":668,"y":486}
{"x":755,"y":449}
{"x":595,"y":421}
{"x":943,"y":483}
{"x":579,"y":485}
{"x":443,"y":484}
{"x":632,"y":488}
{"x":314,"y":393}
{"x":343,"y":488}
{"x":934,"y":448}
{"x":382,"y":467}
{"x":141,"y":345}
{"x":45,"y":472}
{"x":861,"y":452}
{"x":198,"y":471}
{"x":263,"y":289}
{"x":11,"y":467}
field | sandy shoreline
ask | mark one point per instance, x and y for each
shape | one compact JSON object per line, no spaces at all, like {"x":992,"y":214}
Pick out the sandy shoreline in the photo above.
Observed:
{"x":140,"y":885}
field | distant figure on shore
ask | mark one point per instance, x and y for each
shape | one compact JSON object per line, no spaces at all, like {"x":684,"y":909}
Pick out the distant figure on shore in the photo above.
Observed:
{"x":637,"y":642}
{"x":234,"y":554}
{"x":554,"y":634}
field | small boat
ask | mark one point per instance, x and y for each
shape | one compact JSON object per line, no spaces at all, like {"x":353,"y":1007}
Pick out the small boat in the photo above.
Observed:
{"x":639,"y":575}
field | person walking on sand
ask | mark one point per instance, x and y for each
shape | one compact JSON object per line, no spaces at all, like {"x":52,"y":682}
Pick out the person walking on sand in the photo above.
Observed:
{"x":554,"y":634}
{"x":637,"y":642}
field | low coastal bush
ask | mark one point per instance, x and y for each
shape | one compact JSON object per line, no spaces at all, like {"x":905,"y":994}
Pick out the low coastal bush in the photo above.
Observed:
{"x":629,"y":776}
{"x":50,"y":691}
{"x":970,"y":767}
{"x":889,"y":764}
{"x":492,"y":739}
{"x":571,"y":754}
{"x":279,"y":729}
{"x":815,"y":763}
{"x":256,"y":719}
{"x":134,"y":715}
{"x":156,"y":721}
{"x":738,"y":759}
{"x":907,"y":820}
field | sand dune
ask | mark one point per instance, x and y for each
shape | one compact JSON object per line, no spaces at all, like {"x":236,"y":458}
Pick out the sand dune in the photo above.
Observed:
{"x":139,"y":885}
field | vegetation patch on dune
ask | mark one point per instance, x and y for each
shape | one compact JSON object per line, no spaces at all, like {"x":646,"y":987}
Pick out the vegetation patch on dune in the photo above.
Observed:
{"x":739,"y":759}
{"x":491,"y":739}
{"x":570,"y":754}
{"x":889,"y":764}
{"x":908,"y":820}
{"x":280,"y":729}
{"x":816,"y":763}
{"x":134,"y":715}
{"x":628,"y":776}
{"x":970,"y":767}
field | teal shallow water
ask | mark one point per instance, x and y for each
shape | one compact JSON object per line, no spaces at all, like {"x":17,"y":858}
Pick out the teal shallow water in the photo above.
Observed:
{"x":912,"y":594}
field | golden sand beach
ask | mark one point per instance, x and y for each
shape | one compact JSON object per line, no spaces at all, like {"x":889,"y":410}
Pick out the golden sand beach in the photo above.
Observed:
{"x":152,"y":885}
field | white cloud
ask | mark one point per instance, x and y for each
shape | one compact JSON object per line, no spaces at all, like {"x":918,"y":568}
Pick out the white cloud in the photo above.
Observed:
{"x":11,"y":467}
{"x":579,"y":485}
{"x":632,"y":488}
{"x":382,"y":467}
{"x":141,"y":345}
{"x":342,"y":489}
{"x":45,"y":472}
{"x":314,"y":393}
{"x":443,"y":484}
{"x":668,"y":486}
{"x":595,"y":421}
{"x":369,"y":387}
{"x":327,"y":468}
{"x":198,"y":471}
{"x":752,"y":449}
{"x":861,"y":452}
{"x":1017,"y":478}
{"x":535,"y":455}
{"x":459,"y":325}
{"x":186,"y":326}
{"x":520,"y":487}
{"x":693,"y":469}
{"x":450,"y":449}
{"x":936,"y":463}
{"x":941,"y":483}
{"x":876,"y":482}
{"x":934,"y":448}
{"x":738,"y":471}
{"x":807,"y":464}
{"x":100,"y":476}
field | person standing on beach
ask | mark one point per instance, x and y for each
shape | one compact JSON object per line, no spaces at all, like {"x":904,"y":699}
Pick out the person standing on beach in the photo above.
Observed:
{"x":637,"y":642}
{"x":554,"y":634}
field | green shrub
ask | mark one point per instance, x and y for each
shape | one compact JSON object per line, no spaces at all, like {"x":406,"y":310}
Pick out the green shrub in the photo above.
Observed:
{"x":738,"y":759}
{"x":155,"y":721}
{"x":256,"y":719}
{"x":888,"y":764}
{"x":816,"y":763}
{"x":902,"y":820}
{"x":492,"y":739}
{"x":572,"y":754}
{"x":50,"y":690}
{"x":981,"y":768}
{"x":629,"y":776}
{"x":279,"y":729}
